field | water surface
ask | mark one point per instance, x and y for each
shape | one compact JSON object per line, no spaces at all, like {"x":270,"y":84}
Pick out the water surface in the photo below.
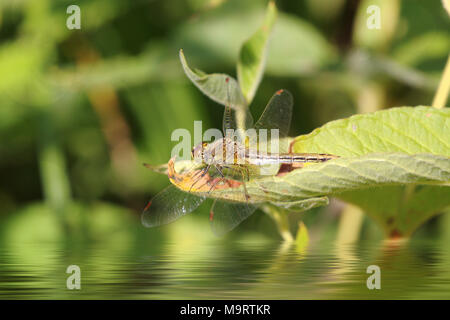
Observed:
{"x":217,"y":270}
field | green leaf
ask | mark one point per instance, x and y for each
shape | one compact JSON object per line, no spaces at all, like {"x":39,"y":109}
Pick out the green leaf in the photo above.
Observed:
{"x":297,"y":48}
{"x":302,"y":205}
{"x":252,"y":56}
{"x":410,"y":130}
{"x":345,"y":174}
{"x":425,"y":47}
{"x":394,"y":163}
{"x":219,"y":87}
{"x":400,"y":210}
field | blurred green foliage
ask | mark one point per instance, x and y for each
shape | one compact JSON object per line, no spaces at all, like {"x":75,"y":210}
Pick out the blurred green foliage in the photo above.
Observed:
{"x":81,"y":110}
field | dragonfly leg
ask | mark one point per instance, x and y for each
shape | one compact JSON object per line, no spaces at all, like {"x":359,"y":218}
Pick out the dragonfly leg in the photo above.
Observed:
{"x":206,"y":170}
{"x":218,"y":180}
{"x":200,"y":172}
{"x":197,"y":173}
{"x":247,"y":197}
{"x":210,"y":179}
{"x":219,"y":170}
{"x":203,"y":173}
{"x":214,"y":185}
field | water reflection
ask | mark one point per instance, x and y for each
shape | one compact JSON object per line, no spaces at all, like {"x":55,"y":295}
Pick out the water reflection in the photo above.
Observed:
{"x":216,"y":269}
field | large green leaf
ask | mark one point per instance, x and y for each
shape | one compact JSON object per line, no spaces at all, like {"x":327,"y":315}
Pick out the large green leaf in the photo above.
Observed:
{"x":395,"y":164}
{"x":410,"y":130}
{"x":252,"y":57}
{"x":345,"y":174}
{"x":398,"y":209}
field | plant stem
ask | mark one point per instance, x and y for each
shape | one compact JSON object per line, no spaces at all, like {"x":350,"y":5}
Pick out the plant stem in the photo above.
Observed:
{"x":54,"y":178}
{"x":442,"y":92}
{"x":350,"y":224}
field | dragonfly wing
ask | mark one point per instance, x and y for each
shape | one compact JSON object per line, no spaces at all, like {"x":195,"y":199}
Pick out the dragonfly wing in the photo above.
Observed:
{"x":236,"y":119}
{"x":225,"y":216}
{"x":169,"y":205}
{"x":277,"y":115}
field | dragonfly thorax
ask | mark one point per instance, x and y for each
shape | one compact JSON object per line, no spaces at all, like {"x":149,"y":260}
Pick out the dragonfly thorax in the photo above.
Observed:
{"x":219,"y":152}
{"x":197,"y":151}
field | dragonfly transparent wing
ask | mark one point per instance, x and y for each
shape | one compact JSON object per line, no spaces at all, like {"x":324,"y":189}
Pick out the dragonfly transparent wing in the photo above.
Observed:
{"x":276,"y":115}
{"x":235,"y":116}
{"x":236,"y":119}
{"x":225,"y":216}
{"x":169,"y":205}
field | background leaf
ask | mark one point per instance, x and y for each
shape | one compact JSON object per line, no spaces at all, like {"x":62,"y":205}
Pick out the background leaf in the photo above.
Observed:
{"x":296,"y":47}
{"x":215,"y":86}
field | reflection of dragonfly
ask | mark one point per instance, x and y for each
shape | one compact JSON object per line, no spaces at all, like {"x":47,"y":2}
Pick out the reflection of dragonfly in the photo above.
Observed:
{"x":235,"y":157}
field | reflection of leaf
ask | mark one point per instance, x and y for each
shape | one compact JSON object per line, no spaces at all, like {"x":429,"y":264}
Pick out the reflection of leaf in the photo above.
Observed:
{"x":252,"y":56}
{"x":302,"y":238}
{"x":219,"y":87}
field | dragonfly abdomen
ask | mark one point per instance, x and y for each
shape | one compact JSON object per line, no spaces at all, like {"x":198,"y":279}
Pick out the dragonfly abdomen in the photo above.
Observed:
{"x":289,"y":158}
{"x":305,"y":157}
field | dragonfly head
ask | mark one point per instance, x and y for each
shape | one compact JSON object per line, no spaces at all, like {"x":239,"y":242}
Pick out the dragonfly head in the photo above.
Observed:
{"x":197,"y":151}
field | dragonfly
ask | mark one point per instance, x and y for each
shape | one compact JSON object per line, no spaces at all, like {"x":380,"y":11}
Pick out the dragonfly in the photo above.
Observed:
{"x":235,"y":157}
